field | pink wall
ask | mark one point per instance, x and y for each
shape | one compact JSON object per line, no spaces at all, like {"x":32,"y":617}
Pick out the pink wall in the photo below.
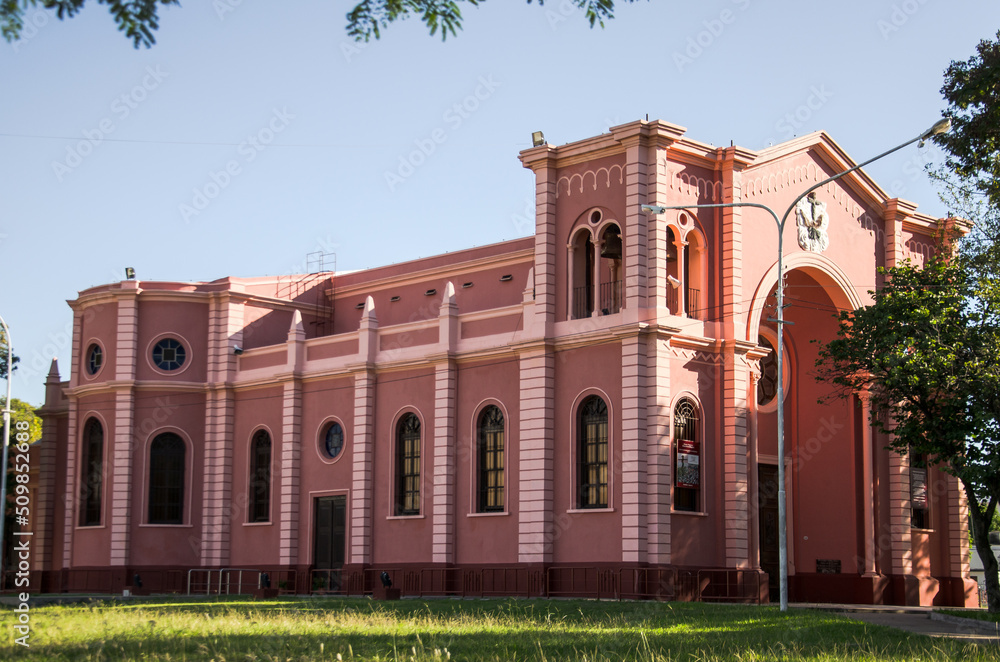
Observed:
{"x":407,"y":539}
{"x":581,"y":187}
{"x":265,"y":327}
{"x":588,"y":536}
{"x":185,"y":321}
{"x":322,"y":402}
{"x":168,"y":544}
{"x":99,"y":324}
{"x":255,"y":544}
{"x":695,"y":537}
{"x":486,"y":539}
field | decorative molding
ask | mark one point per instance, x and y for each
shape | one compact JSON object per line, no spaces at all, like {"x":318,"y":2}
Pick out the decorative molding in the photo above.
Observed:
{"x":712,"y":358}
{"x":918,"y":251}
{"x":799,"y":176}
{"x":687,"y":184}
{"x":583,"y":178}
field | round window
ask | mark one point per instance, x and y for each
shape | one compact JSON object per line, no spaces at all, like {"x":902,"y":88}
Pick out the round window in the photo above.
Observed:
{"x":333,"y":440}
{"x":169,"y":354}
{"x":95,"y":357}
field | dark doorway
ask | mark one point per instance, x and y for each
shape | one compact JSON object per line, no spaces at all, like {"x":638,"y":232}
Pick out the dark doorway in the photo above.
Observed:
{"x":329,"y":542}
{"x":767,"y":509}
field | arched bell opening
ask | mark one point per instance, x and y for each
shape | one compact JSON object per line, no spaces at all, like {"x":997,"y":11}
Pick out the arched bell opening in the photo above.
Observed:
{"x":581,"y":261}
{"x":611,"y":270}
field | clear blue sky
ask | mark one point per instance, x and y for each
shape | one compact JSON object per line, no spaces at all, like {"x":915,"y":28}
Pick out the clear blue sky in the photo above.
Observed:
{"x":106,"y":151}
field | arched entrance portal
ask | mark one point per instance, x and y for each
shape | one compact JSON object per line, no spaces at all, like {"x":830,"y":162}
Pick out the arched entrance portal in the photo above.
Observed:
{"x":827,"y":463}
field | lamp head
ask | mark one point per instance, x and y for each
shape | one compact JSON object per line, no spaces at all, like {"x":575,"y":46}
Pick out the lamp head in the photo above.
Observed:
{"x":941,"y":126}
{"x":653,"y":209}
{"x":537,"y":139}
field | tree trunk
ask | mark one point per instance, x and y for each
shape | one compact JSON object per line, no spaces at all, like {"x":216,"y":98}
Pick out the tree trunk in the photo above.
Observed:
{"x":980,"y":534}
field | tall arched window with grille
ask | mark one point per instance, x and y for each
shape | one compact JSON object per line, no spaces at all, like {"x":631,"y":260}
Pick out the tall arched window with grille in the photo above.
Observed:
{"x":592,"y":450}
{"x":687,"y":457}
{"x":92,"y":477}
{"x":490,"y":433}
{"x":260,"y":477}
{"x":166,"y":479}
{"x":408,"y":465}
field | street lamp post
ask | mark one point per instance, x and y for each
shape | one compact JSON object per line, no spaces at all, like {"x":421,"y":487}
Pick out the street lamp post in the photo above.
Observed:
{"x":6,"y":437}
{"x":939,"y":127}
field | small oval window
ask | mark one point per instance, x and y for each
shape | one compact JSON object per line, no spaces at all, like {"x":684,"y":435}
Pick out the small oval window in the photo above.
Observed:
{"x":95,"y":358}
{"x":333,"y":440}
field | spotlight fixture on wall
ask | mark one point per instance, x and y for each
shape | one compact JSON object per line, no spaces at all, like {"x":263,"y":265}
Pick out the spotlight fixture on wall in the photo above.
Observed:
{"x":237,"y":350}
{"x":129,"y":273}
{"x":537,"y":139}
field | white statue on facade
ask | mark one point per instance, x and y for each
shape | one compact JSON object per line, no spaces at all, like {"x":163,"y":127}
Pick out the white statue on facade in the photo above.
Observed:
{"x":812,"y":221}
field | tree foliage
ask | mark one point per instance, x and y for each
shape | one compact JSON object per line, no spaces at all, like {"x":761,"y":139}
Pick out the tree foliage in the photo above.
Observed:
{"x":136,"y":18}
{"x":21,"y":412}
{"x":24,"y":412}
{"x":139,"y":18}
{"x":972,"y":89}
{"x":927,"y":353}
{"x":370,"y":17}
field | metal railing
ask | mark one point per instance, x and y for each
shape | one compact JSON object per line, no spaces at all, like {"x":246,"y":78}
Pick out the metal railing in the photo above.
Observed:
{"x":709,"y":585}
{"x":609,"y":299}
{"x":583,"y":302}
{"x":693,"y":307}
{"x":224,"y":580}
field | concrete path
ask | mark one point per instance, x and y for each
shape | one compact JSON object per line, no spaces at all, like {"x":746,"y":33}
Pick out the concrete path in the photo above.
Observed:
{"x":919,"y":620}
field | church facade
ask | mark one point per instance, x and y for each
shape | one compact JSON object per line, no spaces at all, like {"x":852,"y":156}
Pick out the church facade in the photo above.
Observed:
{"x":588,"y":411}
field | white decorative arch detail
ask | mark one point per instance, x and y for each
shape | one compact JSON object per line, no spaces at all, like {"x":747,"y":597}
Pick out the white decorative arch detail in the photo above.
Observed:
{"x":597,"y":179}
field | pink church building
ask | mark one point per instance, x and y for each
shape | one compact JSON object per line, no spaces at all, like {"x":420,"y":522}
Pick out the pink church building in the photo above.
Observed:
{"x":587,"y":411}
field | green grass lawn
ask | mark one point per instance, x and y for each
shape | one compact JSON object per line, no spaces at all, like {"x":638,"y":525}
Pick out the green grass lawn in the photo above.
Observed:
{"x":286,"y":630}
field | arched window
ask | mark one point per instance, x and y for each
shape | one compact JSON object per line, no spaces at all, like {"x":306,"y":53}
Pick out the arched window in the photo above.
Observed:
{"x":490,"y":432}
{"x":592,"y":427}
{"x":166,"y":479}
{"x":919,"y":503}
{"x":92,"y":470}
{"x":260,"y":477}
{"x":408,"y":465}
{"x":687,"y":456}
